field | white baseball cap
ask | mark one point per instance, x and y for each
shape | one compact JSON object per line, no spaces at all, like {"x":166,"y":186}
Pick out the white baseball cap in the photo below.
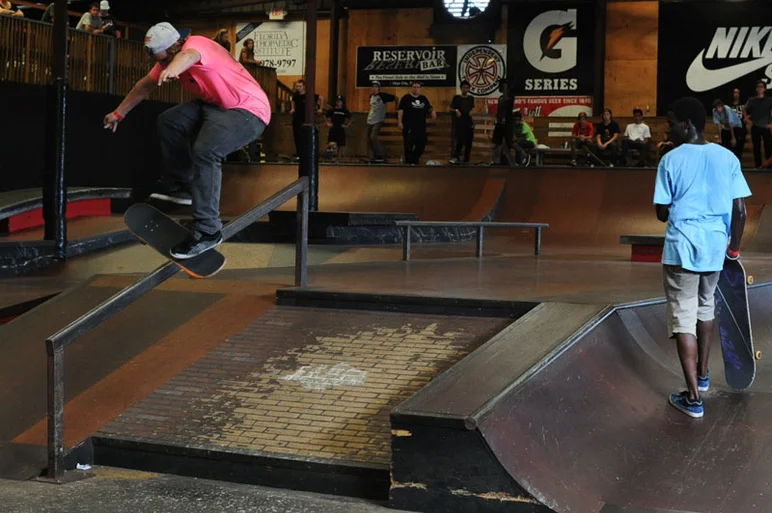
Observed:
{"x":104,"y":5}
{"x":162,"y":36}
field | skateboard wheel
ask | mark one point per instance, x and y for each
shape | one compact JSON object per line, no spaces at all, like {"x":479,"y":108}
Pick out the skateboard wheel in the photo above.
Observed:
{"x":758,"y":355}
{"x":750,"y":280}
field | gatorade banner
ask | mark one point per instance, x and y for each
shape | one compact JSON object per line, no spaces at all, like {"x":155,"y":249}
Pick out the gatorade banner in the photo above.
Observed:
{"x":554,"y":49}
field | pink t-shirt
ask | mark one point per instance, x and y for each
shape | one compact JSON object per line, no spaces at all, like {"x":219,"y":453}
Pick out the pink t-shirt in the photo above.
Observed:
{"x":220,"y":80}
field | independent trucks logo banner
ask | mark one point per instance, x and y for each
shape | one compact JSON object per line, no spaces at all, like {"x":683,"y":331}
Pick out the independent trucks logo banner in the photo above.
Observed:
{"x":729,"y":45}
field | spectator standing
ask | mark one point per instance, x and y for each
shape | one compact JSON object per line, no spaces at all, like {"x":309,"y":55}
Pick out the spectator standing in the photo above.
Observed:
{"x":607,"y":137}
{"x":48,"y":14}
{"x":299,"y":113}
{"x":583,"y":133}
{"x":6,"y":9}
{"x":757,"y":112}
{"x":338,"y":119}
{"x":248,"y":53}
{"x":411,"y":115}
{"x":223,"y":39}
{"x":376,"y":117}
{"x":637,"y":137}
{"x":739,"y":108}
{"x":730,"y":126}
{"x":91,"y":21}
{"x":461,"y":108}
{"x":502,"y":131}
{"x":108,"y":22}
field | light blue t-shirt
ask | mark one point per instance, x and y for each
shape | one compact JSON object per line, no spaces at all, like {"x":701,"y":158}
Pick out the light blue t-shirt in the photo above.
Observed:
{"x":700,"y":183}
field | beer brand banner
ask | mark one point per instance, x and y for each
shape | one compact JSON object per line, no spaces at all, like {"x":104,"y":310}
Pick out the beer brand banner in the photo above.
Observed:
{"x":726,"y":45}
{"x":543,"y":106}
{"x":278,"y":44}
{"x":554,"y":49}
{"x":399,"y":66}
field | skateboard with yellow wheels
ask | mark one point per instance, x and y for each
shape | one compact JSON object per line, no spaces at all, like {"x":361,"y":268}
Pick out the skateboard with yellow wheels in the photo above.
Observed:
{"x":159,"y":231}
{"x":734,"y":325}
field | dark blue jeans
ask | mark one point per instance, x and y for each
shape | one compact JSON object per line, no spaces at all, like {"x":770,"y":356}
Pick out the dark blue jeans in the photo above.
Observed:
{"x":195,"y":138}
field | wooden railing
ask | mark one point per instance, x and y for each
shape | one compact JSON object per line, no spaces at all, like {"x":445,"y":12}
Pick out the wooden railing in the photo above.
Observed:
{"x":97,"y":63}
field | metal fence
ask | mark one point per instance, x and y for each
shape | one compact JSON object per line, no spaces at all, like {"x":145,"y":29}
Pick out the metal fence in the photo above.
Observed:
{"x":97,"y":63}
{"x":56,"y":343}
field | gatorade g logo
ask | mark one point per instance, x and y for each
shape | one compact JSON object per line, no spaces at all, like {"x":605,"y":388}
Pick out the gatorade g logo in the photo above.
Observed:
{"x":550,"y":41}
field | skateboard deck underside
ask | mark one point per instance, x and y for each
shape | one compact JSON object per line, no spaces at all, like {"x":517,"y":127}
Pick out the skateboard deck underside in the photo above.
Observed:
{"x":157,"y":230}
{"x":734,"y":326}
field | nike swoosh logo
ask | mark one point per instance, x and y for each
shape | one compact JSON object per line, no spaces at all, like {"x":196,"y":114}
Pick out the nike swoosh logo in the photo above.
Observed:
{"x":700,"y":79}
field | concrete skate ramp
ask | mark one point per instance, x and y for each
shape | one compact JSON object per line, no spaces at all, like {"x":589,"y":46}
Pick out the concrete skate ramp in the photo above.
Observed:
{"x":593,"y":427}
{"x":434,"y":193}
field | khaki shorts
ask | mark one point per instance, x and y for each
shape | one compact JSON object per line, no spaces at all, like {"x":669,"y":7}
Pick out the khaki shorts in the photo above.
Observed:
{"x":689,"y":298}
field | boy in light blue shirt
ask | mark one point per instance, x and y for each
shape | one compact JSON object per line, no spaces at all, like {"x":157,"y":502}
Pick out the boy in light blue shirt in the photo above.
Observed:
{"x":731,"y":128}
{"x":699,"y":193}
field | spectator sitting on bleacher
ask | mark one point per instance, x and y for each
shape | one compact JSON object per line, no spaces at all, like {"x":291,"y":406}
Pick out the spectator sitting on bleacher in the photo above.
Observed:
{"x":6,"y":9}
{"x":637,"y":137}
{"x":730,"y":125}
{"x":607,"y":137}
{"x":582,"y":132}
{"x":665,"y":146}
{"x":90,"y":21}
{"x":523,"y":139}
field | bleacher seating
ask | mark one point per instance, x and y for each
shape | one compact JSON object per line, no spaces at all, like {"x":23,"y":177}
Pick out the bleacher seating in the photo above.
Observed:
{"x":550,"y":131}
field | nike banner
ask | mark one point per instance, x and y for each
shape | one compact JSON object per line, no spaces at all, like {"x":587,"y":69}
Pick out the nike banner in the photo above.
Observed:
{"x":707,"y":48}
{"x":552,"y":46}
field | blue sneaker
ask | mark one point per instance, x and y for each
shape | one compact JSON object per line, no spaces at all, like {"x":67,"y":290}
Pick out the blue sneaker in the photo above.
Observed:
{"x":681,"y":401}
{"x":703,"y":384}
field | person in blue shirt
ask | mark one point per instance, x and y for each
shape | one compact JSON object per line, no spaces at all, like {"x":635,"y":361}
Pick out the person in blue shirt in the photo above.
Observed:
{"x":699,"y":193}
{"x":731,"y":127}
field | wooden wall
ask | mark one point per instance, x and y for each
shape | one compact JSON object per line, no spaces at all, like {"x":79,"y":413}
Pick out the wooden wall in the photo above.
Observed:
{"x":401,"y":27}
{"x":631,"y":57}
{"x":630,"y":68}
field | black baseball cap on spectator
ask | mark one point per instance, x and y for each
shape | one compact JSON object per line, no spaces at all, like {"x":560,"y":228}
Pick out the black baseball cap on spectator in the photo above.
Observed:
{"x":582,"y":115}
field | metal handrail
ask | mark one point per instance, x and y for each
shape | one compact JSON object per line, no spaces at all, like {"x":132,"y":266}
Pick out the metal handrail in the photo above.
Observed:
{"x":56,"y":343}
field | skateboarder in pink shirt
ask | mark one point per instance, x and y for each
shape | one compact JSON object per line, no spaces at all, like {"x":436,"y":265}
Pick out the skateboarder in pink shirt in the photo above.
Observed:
{"x":231,"y":111}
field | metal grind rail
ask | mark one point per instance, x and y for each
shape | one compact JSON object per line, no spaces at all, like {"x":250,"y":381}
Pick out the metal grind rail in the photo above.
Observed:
{"x":56,"y":343}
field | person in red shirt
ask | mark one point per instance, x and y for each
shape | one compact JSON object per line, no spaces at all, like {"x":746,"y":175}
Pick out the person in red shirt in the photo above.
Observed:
{"x":583,"y":132}
{"x":231,"y":111}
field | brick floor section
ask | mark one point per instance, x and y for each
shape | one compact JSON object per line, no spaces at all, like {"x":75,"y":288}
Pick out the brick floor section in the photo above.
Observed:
{"x":305,"y":382}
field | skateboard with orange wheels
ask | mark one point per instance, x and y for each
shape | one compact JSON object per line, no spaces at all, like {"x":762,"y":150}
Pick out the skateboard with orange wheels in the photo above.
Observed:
{"x":159,"y":231}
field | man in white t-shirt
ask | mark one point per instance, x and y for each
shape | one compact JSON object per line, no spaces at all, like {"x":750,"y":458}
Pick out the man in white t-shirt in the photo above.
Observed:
{"x":637,"y":137}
